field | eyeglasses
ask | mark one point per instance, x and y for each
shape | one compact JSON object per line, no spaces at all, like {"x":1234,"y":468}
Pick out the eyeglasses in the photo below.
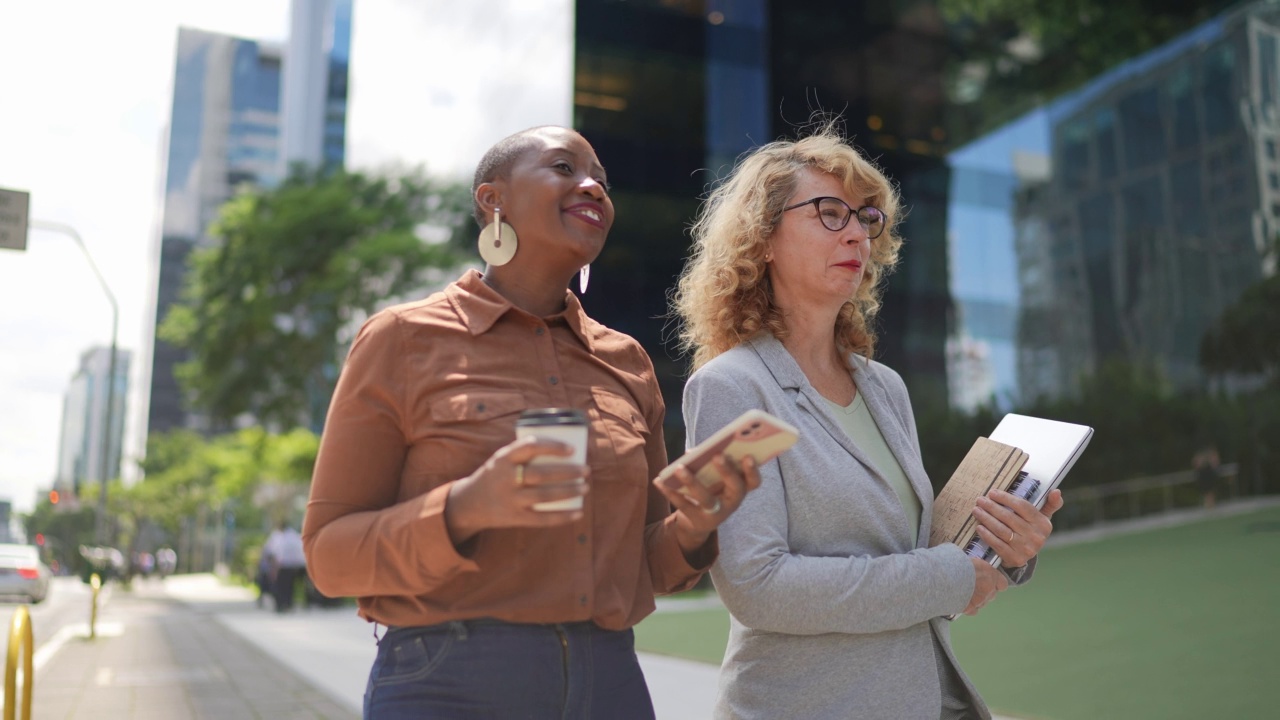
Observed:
{"x":835,"y":214}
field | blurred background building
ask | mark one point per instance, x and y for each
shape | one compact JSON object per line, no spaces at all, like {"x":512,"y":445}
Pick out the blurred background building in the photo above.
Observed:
{"x":243,"y":113}
{"x":84,"y":421}
{"x":670,"y":93}
{"x":1118,"y":221}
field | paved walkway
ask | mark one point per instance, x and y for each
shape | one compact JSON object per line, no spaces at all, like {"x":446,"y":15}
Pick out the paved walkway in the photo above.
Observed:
{"x":334,"y":648}
{"x":191,"y":647}
{"x":159,"y":659}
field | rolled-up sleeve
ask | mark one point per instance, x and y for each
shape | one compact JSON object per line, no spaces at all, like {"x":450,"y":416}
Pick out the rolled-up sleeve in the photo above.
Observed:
{"x":360,"y":539}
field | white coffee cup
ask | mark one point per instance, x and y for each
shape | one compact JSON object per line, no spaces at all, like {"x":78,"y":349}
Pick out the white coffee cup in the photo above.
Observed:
{"x":562,"y":425}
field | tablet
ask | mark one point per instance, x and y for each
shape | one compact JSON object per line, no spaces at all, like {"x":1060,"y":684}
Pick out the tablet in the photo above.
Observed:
{"x":755,"y":434}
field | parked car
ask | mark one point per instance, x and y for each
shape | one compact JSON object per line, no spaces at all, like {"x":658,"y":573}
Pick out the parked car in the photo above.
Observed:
{"x":22,"y":574}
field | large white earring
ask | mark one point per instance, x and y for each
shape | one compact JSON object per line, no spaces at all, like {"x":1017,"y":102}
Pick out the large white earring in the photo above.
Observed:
{"x":498,"y":241}
{"x":583,"y":276}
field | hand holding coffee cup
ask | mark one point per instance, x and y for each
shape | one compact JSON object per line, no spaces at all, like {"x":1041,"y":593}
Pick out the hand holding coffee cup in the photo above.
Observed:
{"x":559,"y":425}
{"x":515,"y":486}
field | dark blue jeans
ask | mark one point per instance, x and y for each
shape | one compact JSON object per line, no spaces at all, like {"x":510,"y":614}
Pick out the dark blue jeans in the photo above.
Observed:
{"x":498,"y":670}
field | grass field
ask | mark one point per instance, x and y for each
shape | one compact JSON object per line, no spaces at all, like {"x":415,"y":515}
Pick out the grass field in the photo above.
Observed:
{"x":1173,"y":623}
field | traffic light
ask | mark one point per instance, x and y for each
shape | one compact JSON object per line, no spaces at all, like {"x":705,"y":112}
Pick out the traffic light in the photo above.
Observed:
{"x":53,"y":497}
{"x":40,"y":538}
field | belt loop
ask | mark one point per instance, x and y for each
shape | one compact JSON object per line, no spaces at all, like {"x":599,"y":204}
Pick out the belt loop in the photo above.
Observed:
{"x":459,"y":629}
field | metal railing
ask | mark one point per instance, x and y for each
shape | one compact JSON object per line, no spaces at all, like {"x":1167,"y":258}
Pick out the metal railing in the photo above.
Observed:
{"x":21,"y":643}
{"x":1127,"y":499}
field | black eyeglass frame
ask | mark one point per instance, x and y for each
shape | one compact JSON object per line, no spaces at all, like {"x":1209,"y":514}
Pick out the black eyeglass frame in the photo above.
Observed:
{"x":884,"y":219}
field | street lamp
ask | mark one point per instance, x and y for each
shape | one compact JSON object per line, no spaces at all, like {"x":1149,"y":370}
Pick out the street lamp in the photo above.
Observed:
{"x":100,"y":521}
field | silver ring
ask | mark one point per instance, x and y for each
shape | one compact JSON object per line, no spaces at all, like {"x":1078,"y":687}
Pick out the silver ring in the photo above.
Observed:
{"x":715,"y":508}
{"x":1012,"y":535}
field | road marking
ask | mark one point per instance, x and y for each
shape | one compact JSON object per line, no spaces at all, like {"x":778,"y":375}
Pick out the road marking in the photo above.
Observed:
{"x":51,"y":646}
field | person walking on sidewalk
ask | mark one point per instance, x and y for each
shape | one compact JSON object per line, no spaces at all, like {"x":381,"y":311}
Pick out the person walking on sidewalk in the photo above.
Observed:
{"x":424,"y":507}
{"x":287,"y":563}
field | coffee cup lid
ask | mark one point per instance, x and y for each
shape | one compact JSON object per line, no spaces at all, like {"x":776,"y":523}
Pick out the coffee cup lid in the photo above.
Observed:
{"x":552,"y":416}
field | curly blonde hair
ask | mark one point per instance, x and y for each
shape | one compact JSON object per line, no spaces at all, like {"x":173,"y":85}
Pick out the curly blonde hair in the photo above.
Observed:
{"x":724,"y":296}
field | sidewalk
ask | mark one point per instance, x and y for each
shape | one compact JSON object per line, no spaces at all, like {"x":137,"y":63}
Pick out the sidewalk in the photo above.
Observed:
{"x":157,"y":659}
{"x":333,"y":649}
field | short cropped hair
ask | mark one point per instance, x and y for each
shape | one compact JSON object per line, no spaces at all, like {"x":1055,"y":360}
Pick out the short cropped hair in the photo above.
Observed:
{"x":724,"y":296}
{"x":497,"y":162}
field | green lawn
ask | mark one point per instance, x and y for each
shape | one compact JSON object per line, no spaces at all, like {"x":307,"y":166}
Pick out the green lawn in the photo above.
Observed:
{"x":1175,"y":623}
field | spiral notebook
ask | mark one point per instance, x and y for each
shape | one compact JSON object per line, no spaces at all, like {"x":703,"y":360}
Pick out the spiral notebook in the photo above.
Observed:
{"x":1027,"y":456}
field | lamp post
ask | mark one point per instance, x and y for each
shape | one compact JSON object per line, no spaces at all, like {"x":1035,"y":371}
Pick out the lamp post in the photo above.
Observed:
{"x":100,"y":521}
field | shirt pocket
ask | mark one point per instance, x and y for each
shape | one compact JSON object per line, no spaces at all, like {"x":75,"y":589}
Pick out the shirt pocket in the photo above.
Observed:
{"x":627,"y":434}
{"x":476,"y":406}
{"x":460,"y":430}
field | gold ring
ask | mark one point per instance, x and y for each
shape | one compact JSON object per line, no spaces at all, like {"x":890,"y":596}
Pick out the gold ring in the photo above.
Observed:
{"x":520,"y":475}
{"x":715,"y":508}
{"x":1012,"y":535}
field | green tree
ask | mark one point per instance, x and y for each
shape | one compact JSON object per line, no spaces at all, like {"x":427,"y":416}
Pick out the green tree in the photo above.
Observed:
{"x":296,"y":266}
{"x":1246,"y":338}
{"x":1011,"y":55}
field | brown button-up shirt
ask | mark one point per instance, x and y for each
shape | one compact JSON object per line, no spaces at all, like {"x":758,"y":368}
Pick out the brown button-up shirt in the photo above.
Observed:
{"x":429,"y":391}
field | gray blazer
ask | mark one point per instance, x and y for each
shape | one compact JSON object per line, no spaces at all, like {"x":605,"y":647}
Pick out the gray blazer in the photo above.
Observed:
{"x":835,"y":605}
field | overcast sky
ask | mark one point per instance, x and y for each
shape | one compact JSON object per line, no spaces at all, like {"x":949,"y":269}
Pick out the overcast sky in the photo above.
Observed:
{"x":83,"y":106}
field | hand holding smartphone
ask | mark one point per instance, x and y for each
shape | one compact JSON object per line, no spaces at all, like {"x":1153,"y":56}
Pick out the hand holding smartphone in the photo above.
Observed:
{"x":755,"y":434}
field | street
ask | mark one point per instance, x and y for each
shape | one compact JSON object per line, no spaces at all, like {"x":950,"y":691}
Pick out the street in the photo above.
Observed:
{"x":64,"y":611}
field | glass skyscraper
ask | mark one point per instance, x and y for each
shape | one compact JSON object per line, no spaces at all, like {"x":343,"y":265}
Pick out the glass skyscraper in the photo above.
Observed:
{"x":1118,"y":221}
{"x":671,"y":93}
{"x":84,"y":422}
{"x":235,"y":103}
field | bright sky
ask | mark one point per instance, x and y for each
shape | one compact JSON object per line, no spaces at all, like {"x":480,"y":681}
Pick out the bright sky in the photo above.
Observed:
{"x":86,"y":95}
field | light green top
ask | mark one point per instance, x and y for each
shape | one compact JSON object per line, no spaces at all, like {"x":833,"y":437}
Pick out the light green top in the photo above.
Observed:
{"x":858,"y":424}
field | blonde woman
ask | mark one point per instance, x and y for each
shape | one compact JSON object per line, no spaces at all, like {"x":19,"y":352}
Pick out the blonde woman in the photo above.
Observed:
{"x":837,"y":603}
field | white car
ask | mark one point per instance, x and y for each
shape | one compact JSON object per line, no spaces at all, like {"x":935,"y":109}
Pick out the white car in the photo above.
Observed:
{"x":22,"y":574}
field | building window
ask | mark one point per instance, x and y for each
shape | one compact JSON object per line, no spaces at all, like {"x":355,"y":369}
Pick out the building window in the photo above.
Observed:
{"x":1273,"y":180}
{"x":1271,"y":149}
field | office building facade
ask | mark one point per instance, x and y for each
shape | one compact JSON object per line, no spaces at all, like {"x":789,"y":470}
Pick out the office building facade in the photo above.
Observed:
{"x":242,"y":114}
{"x":84,"y":421}
{"x":670,"y":93}
{"x":1129,"y":213}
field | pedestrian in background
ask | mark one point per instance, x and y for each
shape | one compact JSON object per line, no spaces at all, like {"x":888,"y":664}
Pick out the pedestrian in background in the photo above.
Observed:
{"x":423,"y":504}
{"x":286,"y":562}
{"x":1205,"y":463}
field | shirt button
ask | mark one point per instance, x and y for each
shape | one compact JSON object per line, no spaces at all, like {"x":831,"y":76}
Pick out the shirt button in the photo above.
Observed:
{"x":582,"y":600}
{"x":582,"y":539}
{"x":480,"y":407}
{"x":554,"y":380}
{"x":539,"y":331}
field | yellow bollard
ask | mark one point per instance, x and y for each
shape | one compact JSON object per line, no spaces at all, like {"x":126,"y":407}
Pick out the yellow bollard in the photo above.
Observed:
{"x":95,"y":582}
{"x":20,"y":637}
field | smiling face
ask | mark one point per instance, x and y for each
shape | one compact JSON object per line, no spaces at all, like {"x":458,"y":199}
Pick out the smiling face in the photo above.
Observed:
{"x":555,"y":198}
{"x":812,"y":266}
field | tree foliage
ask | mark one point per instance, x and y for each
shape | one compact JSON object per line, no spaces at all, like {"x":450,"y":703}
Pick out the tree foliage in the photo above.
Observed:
{"x":1026,"y":52}
{"x":1142,"y":427}
{"x":294,"y":267}
{"x":1246,"y":338}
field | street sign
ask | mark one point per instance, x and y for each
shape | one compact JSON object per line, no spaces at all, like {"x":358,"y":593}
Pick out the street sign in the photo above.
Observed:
{"x":14,"y":205}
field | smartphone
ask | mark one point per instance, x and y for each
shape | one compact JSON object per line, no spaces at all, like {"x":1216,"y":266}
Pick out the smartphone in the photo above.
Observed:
{"x":755,"y":434}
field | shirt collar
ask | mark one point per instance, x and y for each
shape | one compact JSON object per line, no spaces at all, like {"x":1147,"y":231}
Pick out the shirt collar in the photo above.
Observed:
{"x":480,"y":307}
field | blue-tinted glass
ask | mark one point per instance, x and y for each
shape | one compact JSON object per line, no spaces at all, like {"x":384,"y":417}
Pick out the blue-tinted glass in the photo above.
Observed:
{"x":1142,"y":128}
